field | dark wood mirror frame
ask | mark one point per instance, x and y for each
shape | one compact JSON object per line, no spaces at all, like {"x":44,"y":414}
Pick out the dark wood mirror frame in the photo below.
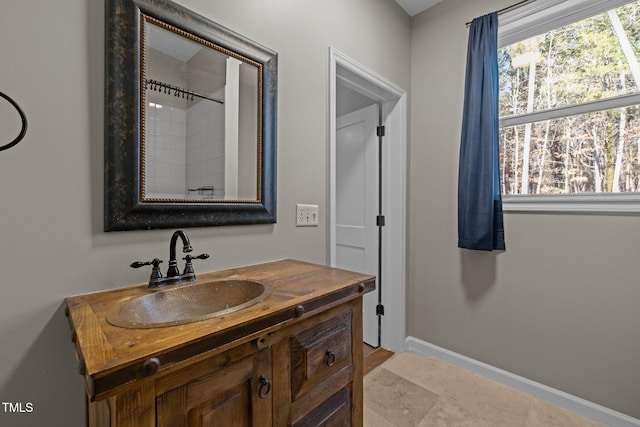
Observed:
{"x":123,"y":206}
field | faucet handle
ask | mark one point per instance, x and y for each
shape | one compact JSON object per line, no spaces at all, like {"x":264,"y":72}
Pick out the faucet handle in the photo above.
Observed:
{"x":190,"y":258}
{"x":156,"y":274}
{"x":188,"y":267}
{"x":155,"y":262}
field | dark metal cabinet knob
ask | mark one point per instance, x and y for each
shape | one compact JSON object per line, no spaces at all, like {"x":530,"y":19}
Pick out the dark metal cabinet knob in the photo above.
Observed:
{"x":331,"y":358}
{"x":299,"y":310}
{"x":150,"y":366}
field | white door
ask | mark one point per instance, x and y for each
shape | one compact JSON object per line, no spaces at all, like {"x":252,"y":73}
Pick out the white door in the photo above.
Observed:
{"x":357,"y":203}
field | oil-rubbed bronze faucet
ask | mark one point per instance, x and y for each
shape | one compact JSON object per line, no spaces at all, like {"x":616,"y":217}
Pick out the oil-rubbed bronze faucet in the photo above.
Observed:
{"x":173,"y":274}
{"x":186,"y":248}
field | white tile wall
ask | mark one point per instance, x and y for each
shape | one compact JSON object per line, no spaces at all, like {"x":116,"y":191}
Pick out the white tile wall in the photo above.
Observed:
{"x":165,"y":156}
{"x":185,"y":149}
{"x":205,"y":149}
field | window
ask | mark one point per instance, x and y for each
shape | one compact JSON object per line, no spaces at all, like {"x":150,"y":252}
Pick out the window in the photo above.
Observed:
{"x":569,"y":102}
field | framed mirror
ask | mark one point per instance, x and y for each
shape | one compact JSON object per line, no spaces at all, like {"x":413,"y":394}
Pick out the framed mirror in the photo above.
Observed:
{"x":190,"y":121}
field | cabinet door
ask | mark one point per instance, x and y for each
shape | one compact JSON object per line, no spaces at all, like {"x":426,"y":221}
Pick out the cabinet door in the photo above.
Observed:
{"x":237,"y":395}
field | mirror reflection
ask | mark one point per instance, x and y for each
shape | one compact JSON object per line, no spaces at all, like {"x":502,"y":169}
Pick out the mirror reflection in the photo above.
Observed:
{"x":201,"y":112}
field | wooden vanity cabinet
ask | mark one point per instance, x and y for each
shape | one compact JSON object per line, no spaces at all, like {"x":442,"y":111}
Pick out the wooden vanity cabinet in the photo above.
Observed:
{"x":231,"y":389}
{"x":239,"y":394}
{"x":305,"y":370}
{"x":307,"y":374}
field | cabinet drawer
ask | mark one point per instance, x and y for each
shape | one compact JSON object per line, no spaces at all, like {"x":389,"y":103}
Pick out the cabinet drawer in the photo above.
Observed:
{"x":334,"y":412}
{"x":320,"y":351}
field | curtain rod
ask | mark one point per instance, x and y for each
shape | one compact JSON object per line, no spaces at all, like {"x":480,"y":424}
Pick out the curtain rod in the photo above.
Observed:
{"x":159,"y":86}
{"x":508,"y":8}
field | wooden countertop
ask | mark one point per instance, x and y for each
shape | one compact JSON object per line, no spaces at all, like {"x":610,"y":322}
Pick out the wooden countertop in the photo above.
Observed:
{"x":112,"y":357}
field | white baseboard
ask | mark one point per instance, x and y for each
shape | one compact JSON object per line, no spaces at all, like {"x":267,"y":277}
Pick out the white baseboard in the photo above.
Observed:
{"x":565,"y":400}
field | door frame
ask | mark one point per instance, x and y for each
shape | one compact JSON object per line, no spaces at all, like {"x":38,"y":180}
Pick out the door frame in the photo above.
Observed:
{"x":393,"y":101}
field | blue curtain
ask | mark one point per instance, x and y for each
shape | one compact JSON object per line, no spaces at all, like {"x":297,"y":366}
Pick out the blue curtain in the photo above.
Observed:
{"x":480,"y":220}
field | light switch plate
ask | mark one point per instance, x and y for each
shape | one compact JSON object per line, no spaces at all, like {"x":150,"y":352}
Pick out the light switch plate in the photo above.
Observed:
{"x":306,"y":215}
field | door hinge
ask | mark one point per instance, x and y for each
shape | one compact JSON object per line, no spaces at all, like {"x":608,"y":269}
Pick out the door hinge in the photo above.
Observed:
{"x":380,"y":131}
{"x":380,"y":221}
{"x":379,"y":310}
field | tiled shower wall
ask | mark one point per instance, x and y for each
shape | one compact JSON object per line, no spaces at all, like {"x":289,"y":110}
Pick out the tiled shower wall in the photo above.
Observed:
{"x":165,"y":151}
{"x":185,"y":149}
{"x":205,"y":146}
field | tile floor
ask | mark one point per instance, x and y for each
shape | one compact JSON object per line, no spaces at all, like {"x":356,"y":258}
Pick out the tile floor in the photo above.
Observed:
{"x":412,"y":390}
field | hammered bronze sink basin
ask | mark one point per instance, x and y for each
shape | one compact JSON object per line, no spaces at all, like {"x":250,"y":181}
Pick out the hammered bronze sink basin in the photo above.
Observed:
{"x":188,"y":303}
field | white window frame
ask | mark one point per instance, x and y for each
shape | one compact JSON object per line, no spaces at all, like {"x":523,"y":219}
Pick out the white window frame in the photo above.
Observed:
{"x":536,"y":18}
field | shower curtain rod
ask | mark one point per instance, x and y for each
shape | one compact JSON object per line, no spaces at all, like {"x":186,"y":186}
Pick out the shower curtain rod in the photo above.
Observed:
{"x":508,"y":8}
{"x":177,"y":91}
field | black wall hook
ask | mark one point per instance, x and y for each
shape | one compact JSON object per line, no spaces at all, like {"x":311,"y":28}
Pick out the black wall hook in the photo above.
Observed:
{"x":23,"y":131}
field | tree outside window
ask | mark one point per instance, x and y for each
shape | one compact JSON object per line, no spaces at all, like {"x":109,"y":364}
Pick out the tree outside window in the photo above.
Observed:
{"x":570,"y":108}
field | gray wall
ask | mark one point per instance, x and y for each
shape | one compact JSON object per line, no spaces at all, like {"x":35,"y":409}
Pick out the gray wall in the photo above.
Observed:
{"x":52,"y":243}
{"x":561,"y":306}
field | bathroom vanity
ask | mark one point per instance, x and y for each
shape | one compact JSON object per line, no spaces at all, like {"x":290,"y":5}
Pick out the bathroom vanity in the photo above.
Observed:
{"x":292,"y":359}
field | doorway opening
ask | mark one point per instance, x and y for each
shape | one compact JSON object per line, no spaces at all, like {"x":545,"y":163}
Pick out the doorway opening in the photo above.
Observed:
{"x":367,"y":191}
